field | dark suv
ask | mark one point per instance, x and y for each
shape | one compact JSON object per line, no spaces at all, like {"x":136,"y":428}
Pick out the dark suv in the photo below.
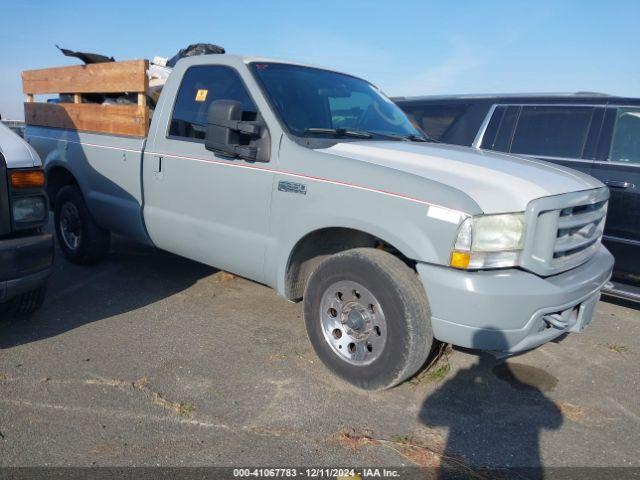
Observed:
{"x":595,"y":133}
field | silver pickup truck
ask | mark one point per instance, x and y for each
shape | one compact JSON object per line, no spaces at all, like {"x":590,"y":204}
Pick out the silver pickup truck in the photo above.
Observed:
{"x":314,"y":183}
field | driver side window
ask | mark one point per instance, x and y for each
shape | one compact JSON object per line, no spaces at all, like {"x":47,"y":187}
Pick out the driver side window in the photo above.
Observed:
{"x":201,"y":85}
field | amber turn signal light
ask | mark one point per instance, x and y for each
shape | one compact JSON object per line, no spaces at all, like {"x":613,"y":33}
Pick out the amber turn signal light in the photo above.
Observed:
{"x":460,"y":259}
{"x":27,"y":179}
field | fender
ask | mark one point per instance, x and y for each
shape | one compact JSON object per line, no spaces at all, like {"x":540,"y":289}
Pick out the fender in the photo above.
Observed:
{"x":414,"y":243}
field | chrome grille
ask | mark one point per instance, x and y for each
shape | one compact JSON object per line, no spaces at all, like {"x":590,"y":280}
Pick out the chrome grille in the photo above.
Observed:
{"x":579,"y":230}
{"x":564,"y":231}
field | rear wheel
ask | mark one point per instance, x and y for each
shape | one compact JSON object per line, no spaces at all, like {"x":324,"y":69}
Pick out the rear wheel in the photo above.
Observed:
{"x":80,"y":238}
{"x":368,"y":318}
{"x":28,"y":302}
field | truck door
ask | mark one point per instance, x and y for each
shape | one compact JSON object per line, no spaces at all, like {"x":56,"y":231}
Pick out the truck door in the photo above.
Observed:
{"x":198,"y":204}
{"x":618,"y":166}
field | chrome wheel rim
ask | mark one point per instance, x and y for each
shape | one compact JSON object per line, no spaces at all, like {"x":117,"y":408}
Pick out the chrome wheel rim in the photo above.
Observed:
{"x":70,"y":226}
{"x":353,"y":323}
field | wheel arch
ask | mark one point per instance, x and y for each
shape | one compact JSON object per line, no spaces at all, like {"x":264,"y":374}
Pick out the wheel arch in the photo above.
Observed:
{"x":315,"y":245}
{"x":58,"y":176}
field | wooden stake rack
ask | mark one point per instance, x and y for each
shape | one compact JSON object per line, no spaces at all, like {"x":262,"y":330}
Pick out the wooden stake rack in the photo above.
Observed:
{"x":111,"y":77}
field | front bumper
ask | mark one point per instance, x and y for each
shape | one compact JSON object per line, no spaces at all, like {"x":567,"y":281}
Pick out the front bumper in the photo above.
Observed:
{"x":25,"y":263}
{"x":511,"y":311}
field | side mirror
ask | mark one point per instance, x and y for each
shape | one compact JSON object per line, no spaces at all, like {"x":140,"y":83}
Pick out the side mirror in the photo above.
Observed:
{"x":231,"y":136}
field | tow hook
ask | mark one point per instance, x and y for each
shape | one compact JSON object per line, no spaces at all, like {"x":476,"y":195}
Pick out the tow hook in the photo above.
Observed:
{"x":556,"y":320}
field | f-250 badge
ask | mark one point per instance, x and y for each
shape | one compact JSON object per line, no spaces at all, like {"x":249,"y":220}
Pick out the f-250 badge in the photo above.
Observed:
{"x":292,"y":187}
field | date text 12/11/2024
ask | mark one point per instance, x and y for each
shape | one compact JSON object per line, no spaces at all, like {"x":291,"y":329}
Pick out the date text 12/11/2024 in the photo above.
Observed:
{"x":338,"y":473}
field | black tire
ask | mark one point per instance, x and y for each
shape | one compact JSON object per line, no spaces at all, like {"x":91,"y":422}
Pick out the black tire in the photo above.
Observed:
{"x":94,"y":241}
{"x":27,"y":303}
{"x":401,"y":296}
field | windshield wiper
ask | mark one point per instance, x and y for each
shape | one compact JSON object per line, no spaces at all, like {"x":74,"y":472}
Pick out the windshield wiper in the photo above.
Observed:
{"x":339,"y":132}
{"x":344,"y":132}
{"x":406,"y":138}
{"x":416,"y":138}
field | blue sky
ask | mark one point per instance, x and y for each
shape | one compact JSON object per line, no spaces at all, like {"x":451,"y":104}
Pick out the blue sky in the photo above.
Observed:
{"x":405,"y":47}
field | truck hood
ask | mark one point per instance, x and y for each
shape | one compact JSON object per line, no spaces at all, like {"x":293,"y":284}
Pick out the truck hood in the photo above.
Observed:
{"x":16,"y":152}
{"x":495,"y":181}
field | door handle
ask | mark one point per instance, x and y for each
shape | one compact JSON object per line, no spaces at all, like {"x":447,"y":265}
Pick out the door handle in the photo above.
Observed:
{"x":157,"y":167}
{"x":614,"y":184}
{"x":157,"y":164}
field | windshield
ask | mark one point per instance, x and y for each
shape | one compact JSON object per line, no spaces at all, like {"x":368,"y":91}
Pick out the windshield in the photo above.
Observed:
{"x":319,"y":102}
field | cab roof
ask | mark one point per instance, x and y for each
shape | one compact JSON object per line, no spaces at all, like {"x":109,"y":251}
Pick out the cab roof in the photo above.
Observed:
{"x":247,"y":59}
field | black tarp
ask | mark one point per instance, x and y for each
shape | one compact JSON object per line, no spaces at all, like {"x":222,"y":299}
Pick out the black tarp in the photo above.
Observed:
{"x":195,"y":49}
{"x":87,"y":58}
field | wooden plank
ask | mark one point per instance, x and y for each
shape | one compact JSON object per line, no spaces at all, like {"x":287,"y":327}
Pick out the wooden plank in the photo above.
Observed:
{"x":130,"y":120}
{"x":111,"y":77}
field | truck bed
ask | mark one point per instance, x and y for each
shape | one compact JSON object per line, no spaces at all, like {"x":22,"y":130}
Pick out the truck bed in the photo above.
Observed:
{"x":79,"y":84}
{"x":111,"y":169}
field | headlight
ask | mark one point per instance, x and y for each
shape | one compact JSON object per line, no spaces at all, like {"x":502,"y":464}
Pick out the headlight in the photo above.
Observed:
{"x":29,"y":209}
{"x":489,"y":241}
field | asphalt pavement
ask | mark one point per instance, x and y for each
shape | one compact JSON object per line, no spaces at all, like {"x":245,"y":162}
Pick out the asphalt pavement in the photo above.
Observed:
{"x":151,"y":359}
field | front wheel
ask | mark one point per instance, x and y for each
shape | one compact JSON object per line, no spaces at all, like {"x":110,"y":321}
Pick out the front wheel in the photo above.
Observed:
{"x":25,"y":304}
{"x":81,"y":239}
{"x":368,"y":318}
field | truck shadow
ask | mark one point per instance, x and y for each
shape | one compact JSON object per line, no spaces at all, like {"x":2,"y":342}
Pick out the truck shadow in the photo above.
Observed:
{"x":495,"y":412}
{"x":132,"y":276}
